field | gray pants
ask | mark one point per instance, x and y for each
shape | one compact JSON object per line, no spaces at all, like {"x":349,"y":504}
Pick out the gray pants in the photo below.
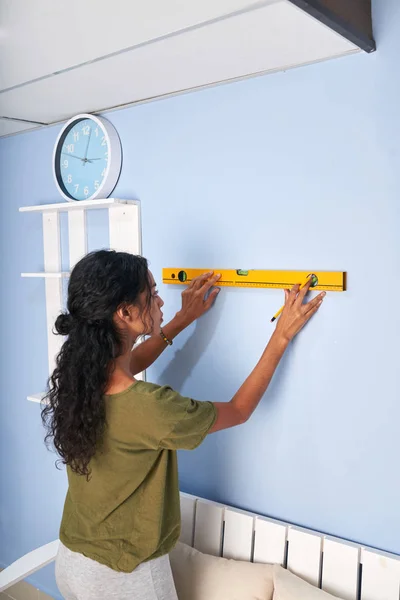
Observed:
{"x":81,"y":578}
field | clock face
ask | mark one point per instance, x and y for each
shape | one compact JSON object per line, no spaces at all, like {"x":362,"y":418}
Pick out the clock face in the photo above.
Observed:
{"x":82,"y":159}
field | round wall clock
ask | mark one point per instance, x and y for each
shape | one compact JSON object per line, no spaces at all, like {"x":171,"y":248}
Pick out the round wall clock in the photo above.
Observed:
{"x":87,"y":158}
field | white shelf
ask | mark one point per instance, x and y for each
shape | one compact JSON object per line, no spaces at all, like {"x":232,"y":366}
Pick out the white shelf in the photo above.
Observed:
{"x":36,"y":397}
{"x":45,"y":274}
{"x":78,"y":205}
{"x":124,"y":236}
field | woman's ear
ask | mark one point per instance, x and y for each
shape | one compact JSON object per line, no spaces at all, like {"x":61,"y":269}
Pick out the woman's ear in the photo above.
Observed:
{"x":128,"y":313}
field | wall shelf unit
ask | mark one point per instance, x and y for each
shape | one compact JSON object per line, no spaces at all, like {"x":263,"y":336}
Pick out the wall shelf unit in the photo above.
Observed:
{"x":124,"y":236}
{"x":78,"y":206}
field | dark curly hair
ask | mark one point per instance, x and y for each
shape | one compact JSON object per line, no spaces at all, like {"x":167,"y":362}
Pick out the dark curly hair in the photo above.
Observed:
{"x":74,"y":414}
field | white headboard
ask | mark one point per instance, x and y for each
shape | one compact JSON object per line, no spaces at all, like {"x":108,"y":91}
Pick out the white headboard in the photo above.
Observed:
{"x":345,"y":569}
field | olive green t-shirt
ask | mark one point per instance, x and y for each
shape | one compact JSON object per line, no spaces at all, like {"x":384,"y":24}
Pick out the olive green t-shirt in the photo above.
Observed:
{"x":129,"y":510}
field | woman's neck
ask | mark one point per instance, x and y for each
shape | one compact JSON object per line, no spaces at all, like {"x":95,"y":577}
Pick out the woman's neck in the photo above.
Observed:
{"x":121,"y":377}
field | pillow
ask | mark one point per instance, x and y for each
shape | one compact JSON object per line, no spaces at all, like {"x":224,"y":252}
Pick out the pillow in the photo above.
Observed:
{"x":290,"y":587}
{"x":200,"y":576}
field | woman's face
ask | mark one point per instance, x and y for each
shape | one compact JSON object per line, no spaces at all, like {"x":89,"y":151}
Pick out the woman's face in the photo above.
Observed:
{"x":153,"y":317}
{"x":146,"y":317}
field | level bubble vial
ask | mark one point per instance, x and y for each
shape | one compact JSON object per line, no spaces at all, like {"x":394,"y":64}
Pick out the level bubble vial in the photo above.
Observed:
{"x":314,"y":280}
{"x":182,"y":276}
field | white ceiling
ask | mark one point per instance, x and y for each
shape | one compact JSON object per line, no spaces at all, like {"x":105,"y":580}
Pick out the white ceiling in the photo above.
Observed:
{"x":8,"y":127}
{"x":59,"y":59}
{"x":44,"y":36}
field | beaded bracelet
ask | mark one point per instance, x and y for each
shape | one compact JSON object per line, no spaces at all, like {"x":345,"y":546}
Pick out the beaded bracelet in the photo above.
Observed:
{"x":164,"y":337}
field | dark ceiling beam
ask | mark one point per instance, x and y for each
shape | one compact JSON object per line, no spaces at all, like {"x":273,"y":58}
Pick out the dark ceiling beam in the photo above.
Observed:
{"x":350,"y":18}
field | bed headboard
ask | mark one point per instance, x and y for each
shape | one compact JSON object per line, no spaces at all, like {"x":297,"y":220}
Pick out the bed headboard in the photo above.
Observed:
{"x":345,"y":569}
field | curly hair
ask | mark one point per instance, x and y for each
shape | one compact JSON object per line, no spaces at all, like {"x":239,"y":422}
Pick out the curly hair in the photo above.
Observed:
{"x":74,"y":414}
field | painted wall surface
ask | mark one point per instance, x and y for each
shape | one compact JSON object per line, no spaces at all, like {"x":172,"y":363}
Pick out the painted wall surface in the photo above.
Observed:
{"x":298,"y":170}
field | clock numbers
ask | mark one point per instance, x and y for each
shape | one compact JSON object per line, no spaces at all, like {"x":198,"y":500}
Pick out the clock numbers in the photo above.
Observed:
{"x":65,"y":164}
{"x":76,"y":136}
{"x":86,"y":190}
{"x":103,"y":141}
{"x":70,"y":148}
{"x":97,"y":131}
{"x":69,"y":178}
{"x":76,"y":186}
{"x":86,"y":130}
{"x":103,"y":173}
{"x":96,"y":185}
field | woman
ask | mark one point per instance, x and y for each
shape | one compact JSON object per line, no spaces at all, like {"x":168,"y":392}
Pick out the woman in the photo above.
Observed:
{"x":118,"y":436}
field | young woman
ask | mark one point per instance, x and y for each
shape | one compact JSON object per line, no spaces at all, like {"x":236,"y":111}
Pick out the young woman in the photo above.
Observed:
{"x":118,"y":436}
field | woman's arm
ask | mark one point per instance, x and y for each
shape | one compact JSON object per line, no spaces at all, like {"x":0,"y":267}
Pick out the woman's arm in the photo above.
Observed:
{"x":294,"y":317}
{"x":194,"y":305}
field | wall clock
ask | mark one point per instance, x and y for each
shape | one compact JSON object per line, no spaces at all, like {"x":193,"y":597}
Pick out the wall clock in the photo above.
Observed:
{"x":87,"y":158}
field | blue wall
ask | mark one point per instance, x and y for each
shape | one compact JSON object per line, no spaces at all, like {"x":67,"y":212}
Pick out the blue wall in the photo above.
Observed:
{"x":294,"y":170}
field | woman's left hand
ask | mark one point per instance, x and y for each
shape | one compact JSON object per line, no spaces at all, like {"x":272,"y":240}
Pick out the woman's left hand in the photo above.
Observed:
{"x":194,"y":304}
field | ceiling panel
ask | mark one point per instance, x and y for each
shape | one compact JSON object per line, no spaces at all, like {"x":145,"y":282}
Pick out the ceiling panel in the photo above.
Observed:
{"x":8,"y":127}
{"x":41,"y":37}
{"x":278,"y":36}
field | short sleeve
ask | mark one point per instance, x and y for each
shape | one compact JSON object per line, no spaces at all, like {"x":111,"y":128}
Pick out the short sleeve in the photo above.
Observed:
{"x":186,"y":422}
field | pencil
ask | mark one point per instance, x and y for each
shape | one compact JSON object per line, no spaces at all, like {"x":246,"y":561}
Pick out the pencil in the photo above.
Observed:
{"x":302,"y":284}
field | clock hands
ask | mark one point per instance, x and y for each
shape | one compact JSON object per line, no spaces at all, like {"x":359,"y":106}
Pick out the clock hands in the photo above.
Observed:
{"x":72,"y":155}
{"x":84,"y":160}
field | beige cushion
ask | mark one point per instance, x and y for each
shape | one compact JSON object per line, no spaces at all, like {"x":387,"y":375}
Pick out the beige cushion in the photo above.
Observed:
{"x":200,"y":576}
{"x":289,"y":587}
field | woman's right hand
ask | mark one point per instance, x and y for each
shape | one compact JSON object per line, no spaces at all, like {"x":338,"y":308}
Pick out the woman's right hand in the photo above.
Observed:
{"x":297,"y":313}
